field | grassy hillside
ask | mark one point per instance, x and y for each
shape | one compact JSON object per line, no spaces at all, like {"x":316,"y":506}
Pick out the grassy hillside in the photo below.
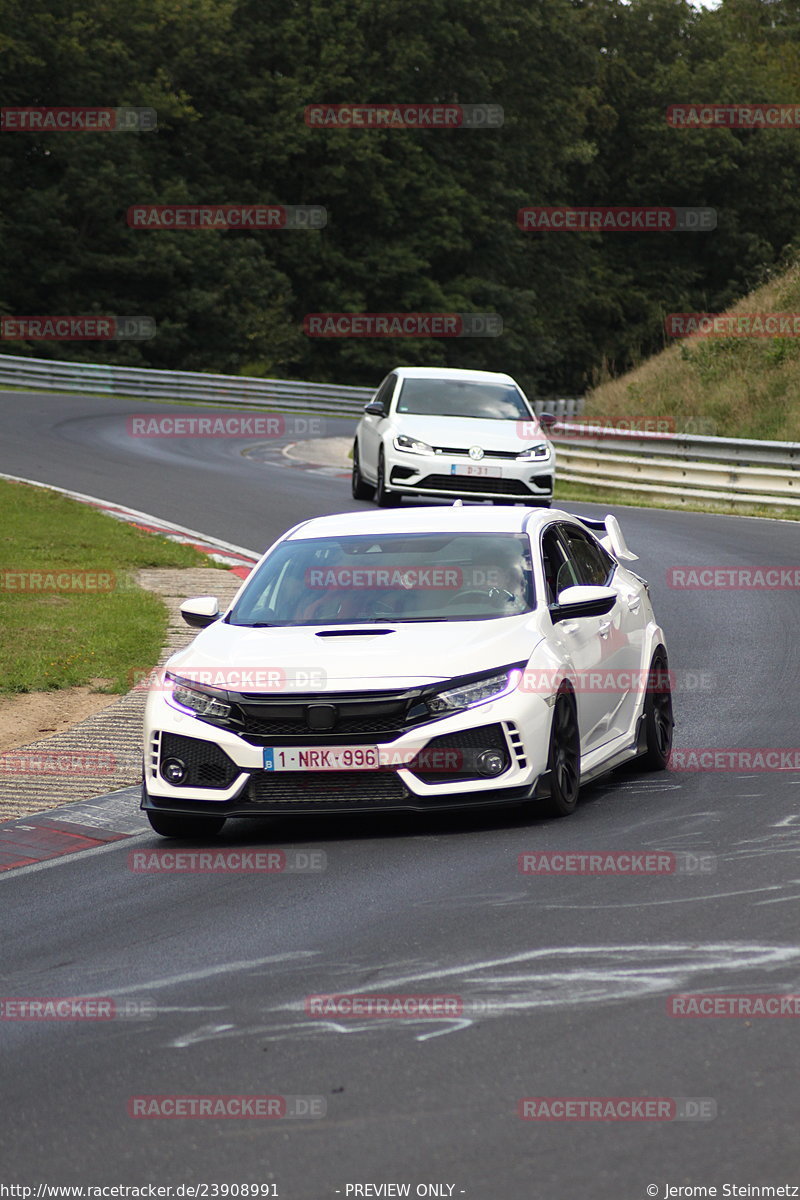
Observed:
{"x":734,"y":387}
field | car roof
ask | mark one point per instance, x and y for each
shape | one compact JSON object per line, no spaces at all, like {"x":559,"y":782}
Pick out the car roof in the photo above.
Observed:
{"x":438,"y":519}
{"x":454,"y":373}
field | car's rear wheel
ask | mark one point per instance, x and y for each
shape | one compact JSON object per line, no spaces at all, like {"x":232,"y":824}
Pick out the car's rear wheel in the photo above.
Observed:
{"x":174,"y":825}
{"x":564,"y":757}
{"x":658,"y":718}
{"x":384,"y":497}
{"x":360,"y":488}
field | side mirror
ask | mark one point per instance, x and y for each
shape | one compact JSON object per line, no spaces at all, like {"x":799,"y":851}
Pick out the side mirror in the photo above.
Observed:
{"x":375,"y":409}
{"x":547,"y":420}
{"x":200,"y":611}
{"x":582,"y":602}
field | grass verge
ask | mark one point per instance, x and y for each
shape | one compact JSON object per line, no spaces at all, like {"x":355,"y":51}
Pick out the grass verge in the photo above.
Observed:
{"x":743,"y":387}
{"x":59,"y":633}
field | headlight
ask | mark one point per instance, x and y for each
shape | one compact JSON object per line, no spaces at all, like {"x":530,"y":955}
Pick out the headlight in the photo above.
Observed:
{"x":540,"y":450}
{"x":197,"y":699}
{"x":411,"y":445}
{"x":476,"y":692}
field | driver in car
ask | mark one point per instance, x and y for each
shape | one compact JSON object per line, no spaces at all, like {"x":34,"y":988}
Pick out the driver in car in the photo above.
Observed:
{"x":496,"y":578}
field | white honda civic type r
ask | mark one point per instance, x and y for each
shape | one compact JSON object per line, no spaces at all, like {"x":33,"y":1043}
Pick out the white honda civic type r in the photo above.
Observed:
{"x":418,"y":659}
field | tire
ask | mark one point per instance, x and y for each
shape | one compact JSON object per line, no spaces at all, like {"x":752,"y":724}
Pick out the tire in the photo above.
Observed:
{"x":174,"y":825}
{"x":359,"y":487}
{"x":564,"y":757}
{"x":658,"y":719}
{"x":384,"y":498}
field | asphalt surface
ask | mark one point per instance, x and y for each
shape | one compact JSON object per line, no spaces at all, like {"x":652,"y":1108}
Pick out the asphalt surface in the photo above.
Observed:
{"x":564,"y":980}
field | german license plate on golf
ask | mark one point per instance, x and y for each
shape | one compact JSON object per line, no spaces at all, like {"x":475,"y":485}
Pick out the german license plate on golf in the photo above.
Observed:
{"x":321,"y":758}
{"x":476,"y":470}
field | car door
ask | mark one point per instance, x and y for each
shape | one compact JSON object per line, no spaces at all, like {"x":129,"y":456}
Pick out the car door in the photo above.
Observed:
{"x":577,"y":643}
{"x":370,"y":437}
{"x":620,"y":632}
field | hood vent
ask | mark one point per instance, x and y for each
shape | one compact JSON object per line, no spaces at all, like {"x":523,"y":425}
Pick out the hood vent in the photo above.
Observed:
{"x":352,"y":632}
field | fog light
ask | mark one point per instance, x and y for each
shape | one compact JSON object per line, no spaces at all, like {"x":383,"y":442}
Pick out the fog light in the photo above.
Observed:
{"x":173,"y":770}
{"x":491,"y":762}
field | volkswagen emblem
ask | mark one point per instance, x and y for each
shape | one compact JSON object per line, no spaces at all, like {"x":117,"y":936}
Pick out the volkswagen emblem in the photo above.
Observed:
{"x":475,"y":452}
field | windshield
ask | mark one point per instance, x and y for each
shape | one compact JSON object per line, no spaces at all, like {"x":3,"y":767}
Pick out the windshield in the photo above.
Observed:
{"x":457,"y":398}
{"x":421,"y":577}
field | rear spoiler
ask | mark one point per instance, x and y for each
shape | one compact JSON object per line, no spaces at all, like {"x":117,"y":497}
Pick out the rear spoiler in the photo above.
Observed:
{"x":613,"y":538}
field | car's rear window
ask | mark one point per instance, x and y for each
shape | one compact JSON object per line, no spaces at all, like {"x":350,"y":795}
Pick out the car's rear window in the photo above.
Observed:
{"x":421,"y":577}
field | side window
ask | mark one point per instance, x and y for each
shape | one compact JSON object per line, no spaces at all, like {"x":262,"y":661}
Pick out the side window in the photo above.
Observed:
{"x":590,"y":562}
{"x":559,"y":571}
{"x":384,"y":393}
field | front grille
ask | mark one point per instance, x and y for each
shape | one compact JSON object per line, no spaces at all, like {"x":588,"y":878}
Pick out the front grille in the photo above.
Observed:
{"x":452,"y":756}
{"x":466,"y":483}
{"x":259,"y":727}
{"x":345,"y":788}
{"x":460,"y":452}
{"x":358,"y":716}
{"x":207,"y":765}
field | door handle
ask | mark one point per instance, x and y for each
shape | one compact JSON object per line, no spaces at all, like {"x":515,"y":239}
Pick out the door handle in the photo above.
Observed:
{"x":634,"y":602}
{"x":604,"y":628}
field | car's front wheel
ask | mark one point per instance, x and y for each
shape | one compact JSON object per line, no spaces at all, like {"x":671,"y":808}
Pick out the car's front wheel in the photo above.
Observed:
{"x":658,"y":718}
{"x":358,"y":485}
{"x":564,"y":757}
{"x":384,"y":497}
{"x":174,"y":825}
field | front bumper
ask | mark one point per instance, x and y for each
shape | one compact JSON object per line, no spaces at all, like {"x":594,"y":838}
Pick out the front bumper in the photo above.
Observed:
{"x":443,"y":475}
{"x":227,"y":775}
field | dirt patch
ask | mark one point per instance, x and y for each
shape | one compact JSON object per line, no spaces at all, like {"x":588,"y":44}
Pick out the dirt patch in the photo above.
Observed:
{"x":33,"y":715}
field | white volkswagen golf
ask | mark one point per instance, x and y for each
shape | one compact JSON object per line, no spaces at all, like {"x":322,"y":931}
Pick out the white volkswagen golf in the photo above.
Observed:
{"x":441,"y":432}
{"x":423,"y":659}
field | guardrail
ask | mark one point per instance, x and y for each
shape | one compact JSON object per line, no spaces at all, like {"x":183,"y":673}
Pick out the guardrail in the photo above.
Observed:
{"x":326,"y":398}
{"x":682,"y":466}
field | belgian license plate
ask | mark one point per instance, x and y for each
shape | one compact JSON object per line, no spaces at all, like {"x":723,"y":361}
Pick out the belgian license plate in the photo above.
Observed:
{"x":476,"y":470}
{"x":321,"y":758}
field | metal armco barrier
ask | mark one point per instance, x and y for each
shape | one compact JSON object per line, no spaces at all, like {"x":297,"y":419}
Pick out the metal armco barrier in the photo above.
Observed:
{"x":681,"y":466}
{"x":329,"y":398}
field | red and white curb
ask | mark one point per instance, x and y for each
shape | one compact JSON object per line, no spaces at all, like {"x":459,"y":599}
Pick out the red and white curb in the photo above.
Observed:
{"x":236,"y":558}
